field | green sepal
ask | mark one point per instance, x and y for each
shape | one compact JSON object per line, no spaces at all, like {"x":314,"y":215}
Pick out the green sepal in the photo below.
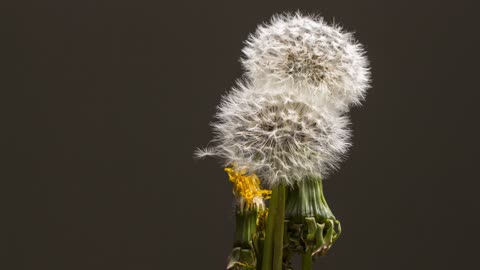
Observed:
{"x":312,"y":228}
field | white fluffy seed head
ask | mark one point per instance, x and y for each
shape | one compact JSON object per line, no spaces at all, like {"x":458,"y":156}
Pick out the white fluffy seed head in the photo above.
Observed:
{"x":278,"y":136}
{"x":305,"y":53}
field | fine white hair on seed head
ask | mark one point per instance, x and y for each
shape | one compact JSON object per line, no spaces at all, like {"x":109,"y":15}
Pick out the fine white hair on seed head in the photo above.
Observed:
{"x":304,"y":52}
{"x":278,"y":136}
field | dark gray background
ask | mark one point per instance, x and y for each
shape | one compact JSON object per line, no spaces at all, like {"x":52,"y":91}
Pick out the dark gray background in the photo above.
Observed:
{"x":104,"y":102}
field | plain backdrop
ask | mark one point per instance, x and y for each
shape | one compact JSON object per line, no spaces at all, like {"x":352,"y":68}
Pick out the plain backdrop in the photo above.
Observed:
{"x":104,"y":102}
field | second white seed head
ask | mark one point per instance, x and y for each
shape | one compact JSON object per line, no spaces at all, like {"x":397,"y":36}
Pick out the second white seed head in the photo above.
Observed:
{"x":277,"y":136}
{"x":305,"y":53}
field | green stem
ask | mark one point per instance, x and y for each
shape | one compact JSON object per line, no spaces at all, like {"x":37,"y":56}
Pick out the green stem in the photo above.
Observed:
{"x":268,"y":243}
{"x":246,"y":228}
{"x":278,"y":230}
{"x":307,"y":261}
{"x":243,"y":255}
{"x":260,"y":254}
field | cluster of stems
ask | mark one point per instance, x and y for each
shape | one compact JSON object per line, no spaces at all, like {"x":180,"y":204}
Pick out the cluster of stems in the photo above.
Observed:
{"x":299,"y":221}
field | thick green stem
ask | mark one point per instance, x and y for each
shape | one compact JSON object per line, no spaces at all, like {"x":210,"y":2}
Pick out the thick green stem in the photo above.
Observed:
{"x":307,"y":261}
{"x":278,"y":230}
{"x":268,"y":243}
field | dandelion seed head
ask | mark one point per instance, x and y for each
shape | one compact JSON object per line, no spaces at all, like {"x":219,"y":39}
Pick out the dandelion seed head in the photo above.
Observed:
{"x":304,"y":52}
{"x":278,"y":136}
